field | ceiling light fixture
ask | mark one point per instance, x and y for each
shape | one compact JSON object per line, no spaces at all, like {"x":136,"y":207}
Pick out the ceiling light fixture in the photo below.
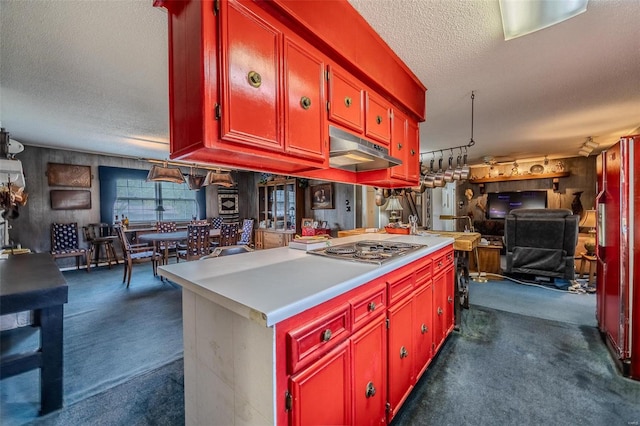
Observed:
{"x":215,"y":177}
{"x":195,"y":182}
{"x":165,"y":173}
{"x":521,"y":17}
{"x":588,"y":147}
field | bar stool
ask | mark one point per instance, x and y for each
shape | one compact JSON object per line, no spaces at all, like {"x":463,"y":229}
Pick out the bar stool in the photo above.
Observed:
{"x":97,"y":234}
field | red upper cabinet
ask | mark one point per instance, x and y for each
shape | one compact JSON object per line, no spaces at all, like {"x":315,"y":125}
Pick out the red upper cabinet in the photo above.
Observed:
{"x":250,"y":52}
{"x":345,"y":100}
{"x":405,"y":146}
{"x":305,"y":134}
{"x":378,"y":118}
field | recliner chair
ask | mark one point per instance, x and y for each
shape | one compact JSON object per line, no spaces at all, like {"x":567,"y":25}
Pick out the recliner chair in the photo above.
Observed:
{"x":541,"y":242}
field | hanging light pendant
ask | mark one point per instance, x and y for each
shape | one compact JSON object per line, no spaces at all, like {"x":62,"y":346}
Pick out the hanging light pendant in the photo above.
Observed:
{"x":215,"y":177}
{"x":165,"y":174}
{"x":194,"y":181}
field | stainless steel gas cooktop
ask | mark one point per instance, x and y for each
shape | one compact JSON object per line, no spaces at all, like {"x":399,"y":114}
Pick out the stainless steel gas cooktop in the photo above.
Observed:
{"x":366,"y":251}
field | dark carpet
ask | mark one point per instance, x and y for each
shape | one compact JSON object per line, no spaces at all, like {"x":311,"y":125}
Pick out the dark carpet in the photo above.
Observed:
{"x":506,"y":369}
{"x":154,"y":398}
{"x":502,"y":368}
{"x":111,"y":334}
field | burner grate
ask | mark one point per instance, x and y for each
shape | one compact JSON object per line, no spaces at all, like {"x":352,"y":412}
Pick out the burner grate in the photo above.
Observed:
{"x":340,"y":250}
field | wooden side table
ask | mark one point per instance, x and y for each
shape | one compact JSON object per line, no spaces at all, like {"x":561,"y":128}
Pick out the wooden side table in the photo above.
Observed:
{"x":489,"y":255}
{"x":584,"y":257}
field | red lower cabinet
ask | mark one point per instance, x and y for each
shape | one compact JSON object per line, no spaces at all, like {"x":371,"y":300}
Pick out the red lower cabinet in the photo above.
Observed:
{"x":355,"y":359}
{"x":400,"y":353}
{"x":368,"y":349}
{"x":423,"y":328}
{"x":321,"y":393}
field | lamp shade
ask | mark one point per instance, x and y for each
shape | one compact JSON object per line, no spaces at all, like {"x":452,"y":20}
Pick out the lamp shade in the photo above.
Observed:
{"x":195,"y":182}
{"x":393,"y":204}
{"x":11,"y":171}
{"x":218,"y":178}
{"x":165,"y":174}
{"x":589,"y":219}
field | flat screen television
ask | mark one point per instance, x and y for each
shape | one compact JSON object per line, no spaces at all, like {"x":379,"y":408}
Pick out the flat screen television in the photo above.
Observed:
{"x":499,"y":204}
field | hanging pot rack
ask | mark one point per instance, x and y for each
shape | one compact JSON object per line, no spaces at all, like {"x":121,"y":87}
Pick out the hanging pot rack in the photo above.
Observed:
{"x":458,"y":147}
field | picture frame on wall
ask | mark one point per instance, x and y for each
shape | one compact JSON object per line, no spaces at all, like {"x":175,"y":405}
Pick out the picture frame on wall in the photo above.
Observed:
{"x":227,"y":203}
{"x":322,"y":196}
{"x":73,"y":175}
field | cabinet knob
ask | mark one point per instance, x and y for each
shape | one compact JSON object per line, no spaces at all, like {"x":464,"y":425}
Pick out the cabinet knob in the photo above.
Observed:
{"x":254,"y":79}
{"x":440,"y":311}
{"x":305,"y":102}
{"x":372,"y":306}
{"x":399,"y":146}
{"x":424,"y":329}
{"x":450,"y":299}
{"x":370,"y":391}
{"x":403,"y":352}
{"x":326,"y":335}
{"x":347,"y":101}
{"x":378,"y":119}
{"x":413,"y":152}
{"x":439,"y":264}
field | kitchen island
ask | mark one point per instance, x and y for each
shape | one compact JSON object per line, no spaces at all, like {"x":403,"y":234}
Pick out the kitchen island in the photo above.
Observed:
{"x":284,"y":337}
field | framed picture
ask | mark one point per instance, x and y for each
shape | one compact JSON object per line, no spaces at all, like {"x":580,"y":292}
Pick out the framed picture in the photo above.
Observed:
{"x":307,"y":223}
{"x":73,"y":199}
{"x":69,"y":175}
{"x":324,"y":224}
{"x":227,"y":203}
{"x":322,"y":196}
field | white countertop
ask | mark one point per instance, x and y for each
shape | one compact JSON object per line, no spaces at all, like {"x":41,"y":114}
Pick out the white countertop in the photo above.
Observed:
{"x":272,"y":285}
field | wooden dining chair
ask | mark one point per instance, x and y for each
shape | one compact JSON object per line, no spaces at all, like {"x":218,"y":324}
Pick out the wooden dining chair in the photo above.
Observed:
{"x":246,"y":237}
{"x":216,"y":222}
{"x":65,"y":243}
{"x":97,"y":235}
{"x":197,"y":242}
{"x":170,"y":248}
{"x":136,"y":253}
{"x":228,"y":234}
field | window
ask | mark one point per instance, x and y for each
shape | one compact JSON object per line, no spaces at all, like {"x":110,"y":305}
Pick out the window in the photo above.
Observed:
{"x":143,"y":201}
{"x":126,"y":192}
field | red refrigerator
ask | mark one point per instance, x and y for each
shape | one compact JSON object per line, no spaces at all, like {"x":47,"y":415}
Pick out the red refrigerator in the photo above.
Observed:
{"x":618,"y":266}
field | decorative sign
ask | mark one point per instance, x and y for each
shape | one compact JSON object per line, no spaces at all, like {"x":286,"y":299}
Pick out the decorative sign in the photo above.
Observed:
{"x":69,"y":175}
{"x":70,"y":199}
{"x":227,"y":203}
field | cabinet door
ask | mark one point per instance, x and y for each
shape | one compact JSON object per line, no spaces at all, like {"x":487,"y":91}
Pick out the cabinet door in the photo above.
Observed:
{"x":378,"y":118}
{"x":368,"y":350}
{"x":449,"y":277}
{"x":304,"y":101}
{"x":423,"y":328}
{"x":399,"y":128}
{"x":321,"y":393}
{"x":405,"y":146}
{"x":439,"y":309}
{"x":400,"y":352}
{"x":345,"y":100}
{"x":250,"y":52}
{"x":413,"y":151}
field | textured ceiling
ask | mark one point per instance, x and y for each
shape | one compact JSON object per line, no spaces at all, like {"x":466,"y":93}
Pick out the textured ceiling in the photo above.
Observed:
{"x":92,"y":75}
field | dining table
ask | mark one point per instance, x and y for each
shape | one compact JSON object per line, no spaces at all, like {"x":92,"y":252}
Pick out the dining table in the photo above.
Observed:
{"x":176,"y":236}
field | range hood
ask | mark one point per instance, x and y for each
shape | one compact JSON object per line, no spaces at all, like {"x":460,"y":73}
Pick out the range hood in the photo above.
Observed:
{"x":349,"y":152}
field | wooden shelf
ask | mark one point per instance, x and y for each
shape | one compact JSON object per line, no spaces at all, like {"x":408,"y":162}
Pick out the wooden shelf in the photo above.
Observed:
{"x":520,"y":177}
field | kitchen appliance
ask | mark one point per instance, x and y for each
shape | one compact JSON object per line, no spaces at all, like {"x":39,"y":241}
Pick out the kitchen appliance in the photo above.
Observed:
{"x":349,"y":152}
{"x":376,"y":252}
{"x":617,"y":239}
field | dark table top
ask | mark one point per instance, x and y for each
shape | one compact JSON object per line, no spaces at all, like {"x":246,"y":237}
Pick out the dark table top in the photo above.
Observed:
{"x":30,"y":281}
